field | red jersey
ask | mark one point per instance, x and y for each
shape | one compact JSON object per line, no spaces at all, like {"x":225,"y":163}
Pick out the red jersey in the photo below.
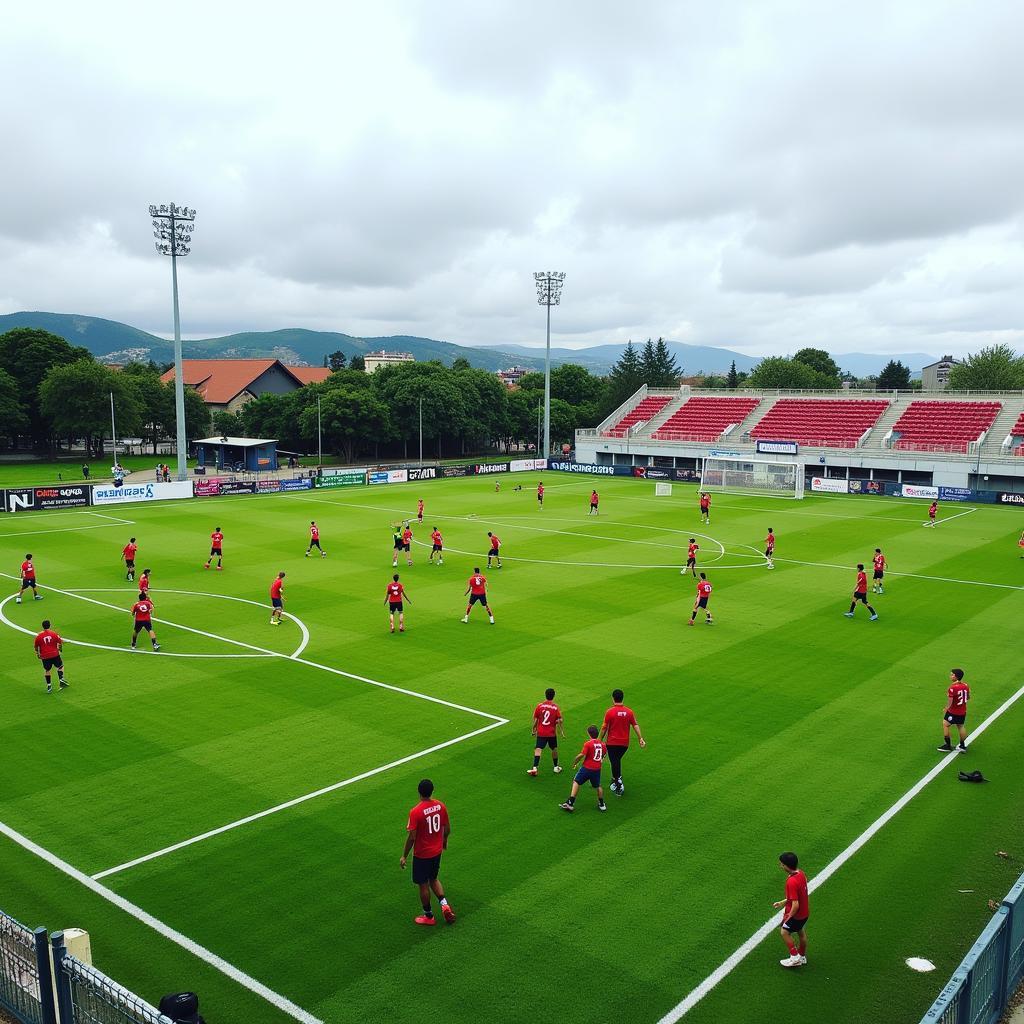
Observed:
{"x":879,"y":562}
{"x":217,"y":539}
{"x":28,"y":571}
{"x":545,"y":717}
{"x":703,"y":589}
{"x":143,"y":584}
{"x":593,"y":497}
{"x":276,"y":588}
{"x":314,"y":531}
{"x":540,"y":490}
{"x":959,"y":694}
{"x":705,"y":500}
{"x":862,"y":582}
{"x":419,"y":506}
{"x":477,"y":584}
{"x":691,"y":550}
{"x":128,"y":554}
{"x":617,"y":720}
{"x":769,"y":542}
{"x":932,"y":509}
{"x":395,"y":592}
{"x":495,"y":542}
{"x":797,"y":906}
{"x":435,"y":537}
{"x":407,"y":536}
{"x":47,"y":644}
{"x":593,"y":755}
{"x":427,"y":821}
{"x":142,"y":610}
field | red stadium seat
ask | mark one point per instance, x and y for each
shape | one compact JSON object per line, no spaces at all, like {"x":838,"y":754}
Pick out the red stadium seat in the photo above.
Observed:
{"x":832,"y":423}
{"x":703,"y":418}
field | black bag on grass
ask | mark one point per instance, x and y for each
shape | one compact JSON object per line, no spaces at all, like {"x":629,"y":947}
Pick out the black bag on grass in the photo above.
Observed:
{"x":182,"y":1008}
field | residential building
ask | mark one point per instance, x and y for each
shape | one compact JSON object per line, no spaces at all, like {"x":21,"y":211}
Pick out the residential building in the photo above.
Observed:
{"x":512,"y":376}
{"x":227,"y":385}
{"x":374,"y":360}
{"x":935,"y":376}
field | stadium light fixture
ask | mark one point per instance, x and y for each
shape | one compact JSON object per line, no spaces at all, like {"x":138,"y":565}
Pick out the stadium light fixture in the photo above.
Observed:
{"x":549,"y":293}
{"x":172,"y":229}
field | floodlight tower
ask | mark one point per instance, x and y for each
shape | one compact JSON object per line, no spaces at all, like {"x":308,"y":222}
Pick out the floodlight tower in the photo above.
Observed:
{"x":549,"y":293}
{"x":172,"y":229}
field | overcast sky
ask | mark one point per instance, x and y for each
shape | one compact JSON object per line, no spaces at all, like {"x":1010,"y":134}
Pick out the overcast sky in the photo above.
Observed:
{"x":760,"y":175}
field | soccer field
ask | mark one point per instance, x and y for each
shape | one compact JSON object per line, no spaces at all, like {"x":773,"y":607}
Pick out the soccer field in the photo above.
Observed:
{"x":248,"y":786}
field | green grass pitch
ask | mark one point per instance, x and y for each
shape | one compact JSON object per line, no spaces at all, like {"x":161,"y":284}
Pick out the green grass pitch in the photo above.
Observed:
{"x":782,"y":726}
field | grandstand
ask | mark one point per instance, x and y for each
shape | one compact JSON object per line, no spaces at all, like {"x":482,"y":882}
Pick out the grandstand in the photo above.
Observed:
{"x":704,"y":418}
{"x":1015,"y":440}
{"x":833,"y":423}
{"x":645,"y":410}
{"x":944,"y":426}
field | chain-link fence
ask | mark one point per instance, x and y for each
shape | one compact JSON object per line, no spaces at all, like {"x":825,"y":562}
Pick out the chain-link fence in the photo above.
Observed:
{"x":88,"y":996}
{"x":20,"y":992}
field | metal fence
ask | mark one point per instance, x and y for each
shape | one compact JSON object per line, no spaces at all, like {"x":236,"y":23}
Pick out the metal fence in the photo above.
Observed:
{"x":990,"y":973}
{"x":25,"y":986}
{"x":94,"y":998}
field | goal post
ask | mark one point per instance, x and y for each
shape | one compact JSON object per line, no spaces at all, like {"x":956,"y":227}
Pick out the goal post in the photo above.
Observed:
{"x":662,"y":490}
{"x":753,"y":476}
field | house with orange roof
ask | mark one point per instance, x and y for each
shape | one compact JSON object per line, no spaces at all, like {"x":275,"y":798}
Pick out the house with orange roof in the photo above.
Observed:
{"x":227,"y":385}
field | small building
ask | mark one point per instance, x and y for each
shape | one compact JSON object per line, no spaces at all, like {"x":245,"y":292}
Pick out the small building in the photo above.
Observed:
{"x":375,"y":360}
{"x":238,"y":454}
{"x":935,"y":376}
{"x":227,"y":385}
{"x":512,"y":376}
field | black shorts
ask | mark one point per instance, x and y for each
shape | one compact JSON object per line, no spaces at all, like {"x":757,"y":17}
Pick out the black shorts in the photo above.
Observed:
{"x":49,"y":663}
{"x":473,"y":598}
{"x":425,"y":869}
{"x":216,"y":552}
{"x":860,"y":595}
{"x":593,"y":504}
{"x":705,"y":509}
{"x":691,"y":561}
{"x":399,"y":607}
{"x":276,"y":602}
{"x":954,"y":719}
{"x":406,"y":547}
{"x":314,"y":542}
{"x":795,"y":924}
{"x":129,"y":563}
{"x":398,"y":545}
{"x":878,"y":574}
{"x":702,"y":602}
{"x":436,"y":547}
{"x":494,"y":553}
{"x":768,"y":552}
{"x":26,"y":582}
{"x":547,"y":741}
{"x":142,"y":624}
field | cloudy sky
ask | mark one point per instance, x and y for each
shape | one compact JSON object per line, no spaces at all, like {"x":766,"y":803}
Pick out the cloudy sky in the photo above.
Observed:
{"x":760,"y":175}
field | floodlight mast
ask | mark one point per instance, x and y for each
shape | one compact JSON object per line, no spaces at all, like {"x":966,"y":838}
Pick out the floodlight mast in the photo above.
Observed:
{"x":172,"y":229}
{"x":549,"y":293}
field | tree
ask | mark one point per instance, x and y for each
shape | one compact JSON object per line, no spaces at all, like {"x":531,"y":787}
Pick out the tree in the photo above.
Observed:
{"x":666,"y":370}
{"x":648,"y":364}
{"x":227,"y":424}
{"x":13,"y":420}
{"x":820,"y":361}
{"x":336,"y":361}
{"x":357,"y":363}
{"x":402,"y":387}
{"x":894,"y":377}
{"x":716,"y":382}
{"x":461,"y":363}
{"x":785,"y":374}
{"x":625,"y":378}
{"x":350,"y":418}
{"x":576,"y":385}
{"x":997,"y":368}
{"x":732,"y":381}
{"x":154,"y":399}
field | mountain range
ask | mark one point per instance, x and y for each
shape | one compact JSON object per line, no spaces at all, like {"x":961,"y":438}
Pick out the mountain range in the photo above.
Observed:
{"x":115,"y":342}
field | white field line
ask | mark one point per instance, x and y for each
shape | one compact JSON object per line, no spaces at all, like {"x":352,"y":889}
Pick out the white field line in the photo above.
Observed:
{"x":293,"y":802}
{"x":772,"y":925}
{"x":113,"y":519}
{"x":68,"y":529}
{"x":949,"y":519}
{"x":215,"y":961}
{"x":910,"y":575}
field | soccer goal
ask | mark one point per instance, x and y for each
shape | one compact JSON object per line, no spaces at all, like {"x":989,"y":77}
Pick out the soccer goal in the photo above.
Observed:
{"x":662,"y":490}
{"x":753,"y":476}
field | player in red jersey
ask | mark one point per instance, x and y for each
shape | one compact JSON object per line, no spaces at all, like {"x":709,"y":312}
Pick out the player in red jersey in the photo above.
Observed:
{"x":880,"y":565}
{"x":426,"y":834}
{"x":958,"y":694}
{"x":277,"y":599}
{"x":393,"y":597}
{"x":144,"y":582}
{"x":143,"y":612}
{"x":593,"y":503}
{"x":419,"y":510}
{"x":436,"y":547}
{"x":703,"y":596}
{"x":540,"y":495}
{"x":705,"y":507}
{"x":1020,"y":543}
{"x":547,"y":723}
{"x":28,"y":580}
{"x":592,"y":756}
{"x":48,"y":645}
{"x":769,"y":548}
{"x":797,"y":910}
{"x":860,"y":593}
{"x":314,"y":539}
{"x":933,"y":511}
{"x":216,"y":548}
{"x":128,"y":553}
{"x":691,"y":558}
{"x":476,"y":588}
{"x":495,"y":550}
{"x":406,"y":544}
{"x":618,"y":721}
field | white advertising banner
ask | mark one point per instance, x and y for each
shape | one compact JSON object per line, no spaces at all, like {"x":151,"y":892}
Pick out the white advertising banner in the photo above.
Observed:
{"x":917,"y":491}
{"x":526,"y":465}
{"x":107,"y":494}
{"x":821,"y":483}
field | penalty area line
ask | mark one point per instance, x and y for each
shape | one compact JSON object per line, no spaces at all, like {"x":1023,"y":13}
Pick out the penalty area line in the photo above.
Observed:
{"x":772,"y":925}
{"x":275,"y":999}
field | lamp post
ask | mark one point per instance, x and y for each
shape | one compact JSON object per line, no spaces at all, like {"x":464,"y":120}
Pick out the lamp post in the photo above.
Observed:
{"x":421,"y":430}
{"x":172,"y":229}
{"x":113,"y":427}
{"x":549,"y":293}
{"x":319,"y":440}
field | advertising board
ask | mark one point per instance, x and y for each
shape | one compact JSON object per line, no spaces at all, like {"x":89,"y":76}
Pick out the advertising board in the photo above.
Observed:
{"x":820,"y":483}
{"x":1005,"y":498}
{"x":107,"y":494}
{"x":423,"y":473}
{"x":482,"y":468}
{"x":352,"y":479}
{"x":453,"y":471}
{"x":387,"y":476}
{"x":526,"y":465}
{"x":301,"y":484}
{"x":582,"y":467}
{"x":268,"y":486}
{"x":28,"y":498}
{"x":955,"y":494}
{"x":778,"y":447}
{"x":917,"y":491}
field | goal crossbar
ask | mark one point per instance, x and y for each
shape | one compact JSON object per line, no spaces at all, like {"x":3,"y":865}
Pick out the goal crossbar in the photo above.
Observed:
{"x":741,"y":475}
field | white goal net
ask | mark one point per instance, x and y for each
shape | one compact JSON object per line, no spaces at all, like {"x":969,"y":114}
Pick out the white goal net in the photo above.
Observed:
{"x":753,"y":476}
{"x":663,"y":490}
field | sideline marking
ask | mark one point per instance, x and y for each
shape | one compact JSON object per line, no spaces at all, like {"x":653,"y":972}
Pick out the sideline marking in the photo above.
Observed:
{"x":910,"y":575}
{"x":948,"y":519}
{"x":189,"y":945}
{"x":723,"y":969}
{"x":292,"y":803}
